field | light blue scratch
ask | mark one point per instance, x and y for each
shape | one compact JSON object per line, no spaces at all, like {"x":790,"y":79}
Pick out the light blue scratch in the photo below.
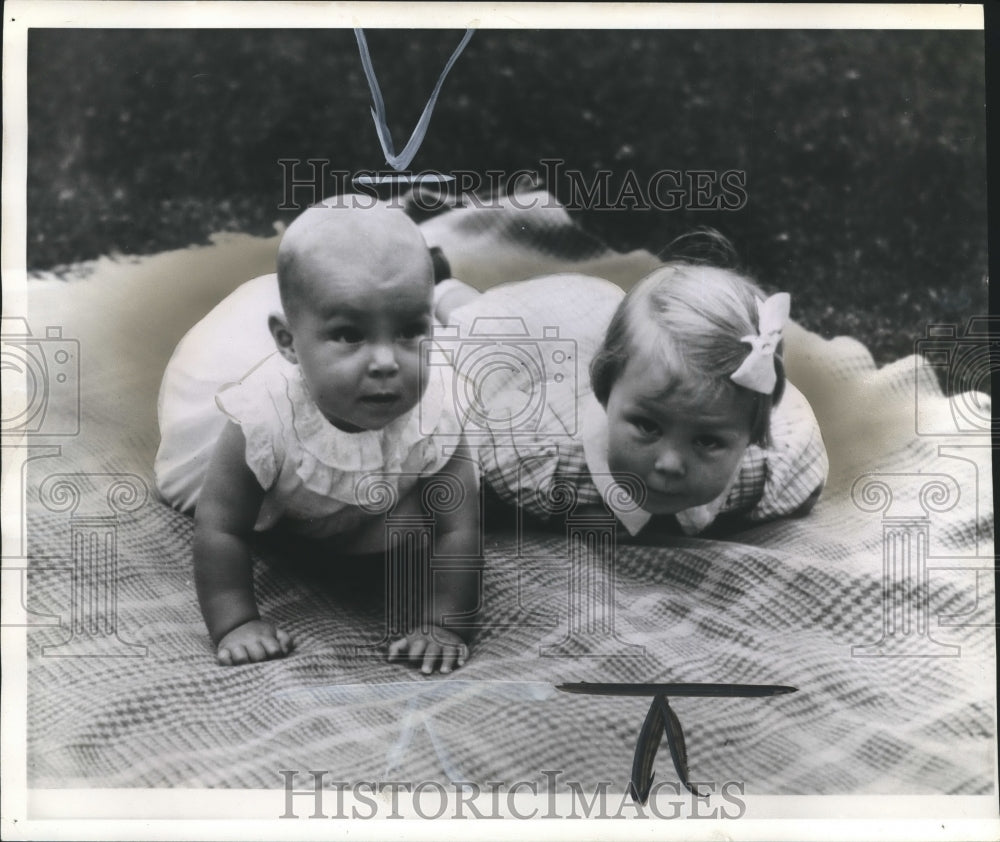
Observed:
{"x":403,"y":159}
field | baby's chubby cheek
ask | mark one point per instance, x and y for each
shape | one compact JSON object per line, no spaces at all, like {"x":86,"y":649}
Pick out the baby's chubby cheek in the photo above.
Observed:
{"x":628,"y":469}
{"x":624,"y":457}
{"x":415,"y":384}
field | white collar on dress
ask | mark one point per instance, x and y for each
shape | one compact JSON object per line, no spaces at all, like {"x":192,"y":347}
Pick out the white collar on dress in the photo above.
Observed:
{"x":367,"y":450}
{"x":594,"y":432}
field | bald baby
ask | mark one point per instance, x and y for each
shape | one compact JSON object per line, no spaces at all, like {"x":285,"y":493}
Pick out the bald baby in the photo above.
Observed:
{"x":356,"y":287}
{"x":341,"y":244}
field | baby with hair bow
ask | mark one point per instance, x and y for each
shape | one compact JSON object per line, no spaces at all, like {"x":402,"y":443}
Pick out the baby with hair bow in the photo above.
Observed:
{"x":685,"y":419}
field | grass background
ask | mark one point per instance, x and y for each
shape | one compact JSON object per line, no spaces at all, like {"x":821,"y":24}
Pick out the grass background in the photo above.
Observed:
{"x":865,"y":151}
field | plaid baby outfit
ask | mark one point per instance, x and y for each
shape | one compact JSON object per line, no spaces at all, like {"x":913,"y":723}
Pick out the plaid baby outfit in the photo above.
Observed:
{"x":541,"y":435}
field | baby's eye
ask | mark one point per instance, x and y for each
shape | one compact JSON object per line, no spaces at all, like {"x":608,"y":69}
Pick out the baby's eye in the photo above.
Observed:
{"x":645,"y":426}
{"x":414,"y":330}
{"x":346,"y":334}
{"x":709,"y":442}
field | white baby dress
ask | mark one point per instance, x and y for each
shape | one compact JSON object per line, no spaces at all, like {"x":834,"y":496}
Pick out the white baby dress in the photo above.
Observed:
{"x":318,"y":479}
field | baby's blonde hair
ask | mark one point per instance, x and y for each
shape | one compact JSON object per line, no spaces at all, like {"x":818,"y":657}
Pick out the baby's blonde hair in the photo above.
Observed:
{"x":692,"y":318}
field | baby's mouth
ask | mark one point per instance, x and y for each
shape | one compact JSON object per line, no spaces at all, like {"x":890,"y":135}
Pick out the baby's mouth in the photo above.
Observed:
{"x":664,"y":495}
{"x":381,"y":398}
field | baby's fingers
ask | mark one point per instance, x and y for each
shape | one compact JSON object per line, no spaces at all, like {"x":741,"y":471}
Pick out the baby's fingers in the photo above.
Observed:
{"x":285,"y":641}
{"x":236,"y":655}
{"x":256,"y":651}
{"x":272,"y":647}
{"x":454,"y":656}
{"x":404,"y":645}
{"x":417,"y":648}
{"x":431,"y":655}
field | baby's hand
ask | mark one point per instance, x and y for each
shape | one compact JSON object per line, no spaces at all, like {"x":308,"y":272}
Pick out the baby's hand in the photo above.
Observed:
{"x":437,"y":645}
{"x":256,"y":640}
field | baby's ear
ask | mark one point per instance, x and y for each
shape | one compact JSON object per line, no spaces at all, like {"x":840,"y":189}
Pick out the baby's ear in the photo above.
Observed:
{"x":282,"y":333}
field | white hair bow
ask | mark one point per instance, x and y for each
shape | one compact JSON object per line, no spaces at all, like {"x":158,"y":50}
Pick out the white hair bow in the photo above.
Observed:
{"x":757,"y":371}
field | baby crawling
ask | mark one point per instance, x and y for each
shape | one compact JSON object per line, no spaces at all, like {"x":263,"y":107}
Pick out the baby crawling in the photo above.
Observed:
{"x":340,"y":402}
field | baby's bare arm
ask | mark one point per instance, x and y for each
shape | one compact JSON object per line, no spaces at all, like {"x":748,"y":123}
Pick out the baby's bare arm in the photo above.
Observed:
{"x":458,"y":545}
{"x":457,"y":578}
{"x":223,"y":570}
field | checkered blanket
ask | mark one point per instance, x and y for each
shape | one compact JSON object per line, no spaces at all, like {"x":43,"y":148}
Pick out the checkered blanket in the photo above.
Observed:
{"x":878,"y":606}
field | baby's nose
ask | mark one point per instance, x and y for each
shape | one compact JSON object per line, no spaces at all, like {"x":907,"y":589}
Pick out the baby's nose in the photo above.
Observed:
{"x":383,"y":360}
{"x":670,"y":460}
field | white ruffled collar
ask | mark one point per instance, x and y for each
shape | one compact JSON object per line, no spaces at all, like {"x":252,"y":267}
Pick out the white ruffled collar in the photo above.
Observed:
{"x":594,"y":432}
{"x":328,"y":455}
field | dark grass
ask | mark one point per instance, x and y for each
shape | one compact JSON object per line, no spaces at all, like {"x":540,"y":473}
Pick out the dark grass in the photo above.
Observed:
{"x":865,"y":151}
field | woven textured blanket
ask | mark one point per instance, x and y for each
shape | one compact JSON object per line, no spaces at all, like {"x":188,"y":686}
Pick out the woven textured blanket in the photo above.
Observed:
{"x":878,"y":606}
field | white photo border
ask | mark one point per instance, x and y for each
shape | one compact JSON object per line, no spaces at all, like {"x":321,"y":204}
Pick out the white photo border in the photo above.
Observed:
{"x":153,"y":814}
